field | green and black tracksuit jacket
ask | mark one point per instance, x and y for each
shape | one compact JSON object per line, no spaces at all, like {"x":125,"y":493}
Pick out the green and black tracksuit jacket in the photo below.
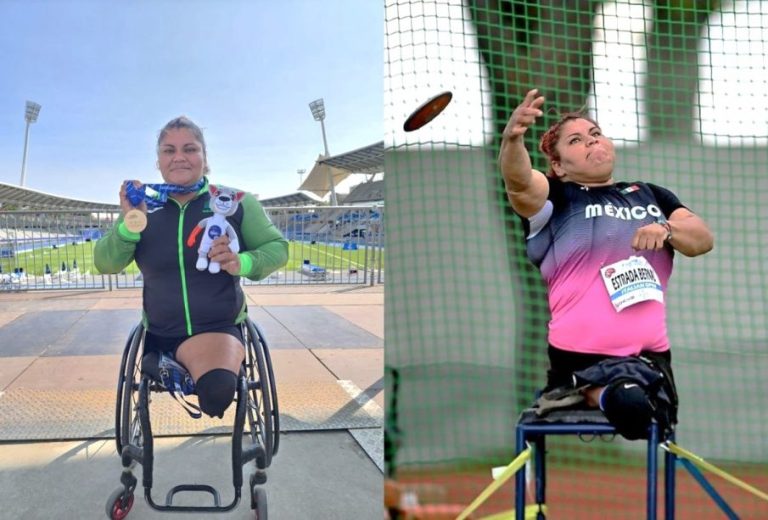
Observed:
{"x":178,"y":299}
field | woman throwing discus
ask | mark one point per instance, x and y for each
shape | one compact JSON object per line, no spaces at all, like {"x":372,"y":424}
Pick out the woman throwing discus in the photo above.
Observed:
{"x":605,"y":250}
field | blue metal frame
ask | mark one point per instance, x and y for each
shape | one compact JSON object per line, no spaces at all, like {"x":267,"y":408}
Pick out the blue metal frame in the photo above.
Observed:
{"x":536,"y":433}
{"x":704,"y":483}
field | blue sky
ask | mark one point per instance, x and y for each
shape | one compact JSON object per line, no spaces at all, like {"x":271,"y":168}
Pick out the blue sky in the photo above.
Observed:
{"x":109,"y":75}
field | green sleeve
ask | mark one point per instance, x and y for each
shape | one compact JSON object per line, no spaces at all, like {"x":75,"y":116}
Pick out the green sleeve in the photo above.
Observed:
{"x":114,"y":251}
{"x":265,"y":250}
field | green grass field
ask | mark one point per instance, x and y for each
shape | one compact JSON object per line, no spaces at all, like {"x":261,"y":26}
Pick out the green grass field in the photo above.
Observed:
{"x":330,"y":257}
{"x":34,"y":262}
{"x":81,"y":254}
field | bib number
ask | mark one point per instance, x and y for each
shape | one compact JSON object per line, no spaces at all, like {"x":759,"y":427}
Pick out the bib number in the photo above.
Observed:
{"x":631,"y":281}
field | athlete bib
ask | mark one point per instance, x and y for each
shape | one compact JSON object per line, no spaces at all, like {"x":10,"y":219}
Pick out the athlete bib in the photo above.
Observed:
{"x":631,"y":281}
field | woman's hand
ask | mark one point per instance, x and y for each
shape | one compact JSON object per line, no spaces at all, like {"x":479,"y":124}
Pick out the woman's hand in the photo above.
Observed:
{"x":221,"y":253}
{"x":651,"y":237}
{"x":524,"y":115}
{"x":125,"y":204}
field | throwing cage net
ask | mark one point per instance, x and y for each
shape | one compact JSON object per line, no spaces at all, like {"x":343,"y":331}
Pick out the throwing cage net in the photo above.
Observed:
{"x":682,"y":89}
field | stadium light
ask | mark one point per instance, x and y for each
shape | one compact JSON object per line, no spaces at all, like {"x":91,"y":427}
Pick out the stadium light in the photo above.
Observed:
{"x":318,"y":112}
{"x":301,"y":173}
{"x":30,"y":116}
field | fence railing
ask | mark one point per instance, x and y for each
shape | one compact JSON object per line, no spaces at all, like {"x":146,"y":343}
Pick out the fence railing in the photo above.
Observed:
{"x":44,"y":250}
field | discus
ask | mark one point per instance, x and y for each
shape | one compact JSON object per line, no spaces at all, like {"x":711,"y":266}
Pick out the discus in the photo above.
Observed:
{"x":427,"y":111}
{"x":135,"y":221}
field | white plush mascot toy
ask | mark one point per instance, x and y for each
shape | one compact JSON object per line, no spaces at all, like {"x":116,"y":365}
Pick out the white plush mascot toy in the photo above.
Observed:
{"x":224,"y":203}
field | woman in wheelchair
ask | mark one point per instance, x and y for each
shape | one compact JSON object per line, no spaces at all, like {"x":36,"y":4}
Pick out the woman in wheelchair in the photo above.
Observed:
{"x":191,"y":313}
{"x":605,"y":249}
{"x":194,"y":309}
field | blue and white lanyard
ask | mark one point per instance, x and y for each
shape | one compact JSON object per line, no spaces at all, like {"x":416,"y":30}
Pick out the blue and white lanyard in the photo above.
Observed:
{"x":161,"y":191}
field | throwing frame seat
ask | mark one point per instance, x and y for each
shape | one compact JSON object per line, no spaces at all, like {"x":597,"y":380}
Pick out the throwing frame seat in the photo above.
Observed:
{"x":534,"y":429}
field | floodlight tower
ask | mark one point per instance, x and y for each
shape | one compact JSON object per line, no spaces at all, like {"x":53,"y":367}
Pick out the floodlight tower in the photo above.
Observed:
{"x":318,"y":112}
{"x":30,"y":116}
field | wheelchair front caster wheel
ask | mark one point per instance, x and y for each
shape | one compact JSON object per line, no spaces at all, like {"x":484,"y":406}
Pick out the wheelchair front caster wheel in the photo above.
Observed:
{"x":259,"y":502}
{"x":118,"y":507}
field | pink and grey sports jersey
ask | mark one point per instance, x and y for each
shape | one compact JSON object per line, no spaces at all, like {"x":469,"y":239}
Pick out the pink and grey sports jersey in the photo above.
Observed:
{"x":579,"y":231}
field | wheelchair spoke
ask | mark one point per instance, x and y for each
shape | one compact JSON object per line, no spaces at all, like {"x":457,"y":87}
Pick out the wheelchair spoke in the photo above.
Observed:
{"x":136,"y":435}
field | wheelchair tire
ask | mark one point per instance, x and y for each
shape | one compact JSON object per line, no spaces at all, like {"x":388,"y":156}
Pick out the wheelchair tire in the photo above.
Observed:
{"x":272,"y":386}
{"x":126,"y":418}
{"x":117,"y":509}
{"x":259,"y":502}
{"x":272,"y":392}
{"x":261,"y":417}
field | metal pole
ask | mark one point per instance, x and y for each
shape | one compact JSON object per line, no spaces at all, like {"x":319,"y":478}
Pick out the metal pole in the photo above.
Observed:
{"x":24,"y":158}
{"x":334,"y":201}
{"x":325,"y":141}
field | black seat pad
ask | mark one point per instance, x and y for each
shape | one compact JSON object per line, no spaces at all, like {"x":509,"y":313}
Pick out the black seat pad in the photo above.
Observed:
{"x":565,"y":416}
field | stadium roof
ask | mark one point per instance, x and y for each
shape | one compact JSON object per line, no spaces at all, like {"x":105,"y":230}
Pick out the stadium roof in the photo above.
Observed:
{"x":28,"y":199}
{"x":318,"y":182}
{"x":294,"y":199}
{"x":367,"y":160}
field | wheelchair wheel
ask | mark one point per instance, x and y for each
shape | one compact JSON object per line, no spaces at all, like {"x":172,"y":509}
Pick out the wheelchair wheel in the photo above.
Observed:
{"x":261,"y":418}
{"x":119,"y":506}
{"x":272,"y":390}
{"x":259,"y":502}
{"x":127,"y":427}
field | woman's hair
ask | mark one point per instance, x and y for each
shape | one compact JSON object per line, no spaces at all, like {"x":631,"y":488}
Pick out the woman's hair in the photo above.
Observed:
{"x":548,"y":142}
{"x":184,"y":122}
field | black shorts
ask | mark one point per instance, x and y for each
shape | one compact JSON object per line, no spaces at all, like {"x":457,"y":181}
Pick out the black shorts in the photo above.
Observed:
{"x":563,"y":363}
{"x":155,"y":343}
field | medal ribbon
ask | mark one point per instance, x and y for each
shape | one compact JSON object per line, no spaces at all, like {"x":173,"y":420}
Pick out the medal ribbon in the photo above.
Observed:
{"x":160,"y":192}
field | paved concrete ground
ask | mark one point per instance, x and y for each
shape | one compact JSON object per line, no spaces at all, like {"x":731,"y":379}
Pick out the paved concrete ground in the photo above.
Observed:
{"x":327,"y":350}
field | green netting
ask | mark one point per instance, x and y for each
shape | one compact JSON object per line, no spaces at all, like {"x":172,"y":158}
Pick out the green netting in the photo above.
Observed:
{"x":682,"y":88}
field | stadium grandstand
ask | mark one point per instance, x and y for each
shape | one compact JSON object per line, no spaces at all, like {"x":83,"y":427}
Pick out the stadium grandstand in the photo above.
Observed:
{"x":349,"y":224}
{"x":25,"y":199}
{"x":366,"y":193}
{"x":368,"y":161}
{"x":27,"y":212}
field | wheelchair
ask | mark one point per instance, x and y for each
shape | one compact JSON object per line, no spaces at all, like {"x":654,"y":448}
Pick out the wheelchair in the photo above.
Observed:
{"x":256,"y":416}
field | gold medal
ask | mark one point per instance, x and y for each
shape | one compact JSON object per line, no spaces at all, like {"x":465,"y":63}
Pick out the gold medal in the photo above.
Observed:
{"x":135,"y":221}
